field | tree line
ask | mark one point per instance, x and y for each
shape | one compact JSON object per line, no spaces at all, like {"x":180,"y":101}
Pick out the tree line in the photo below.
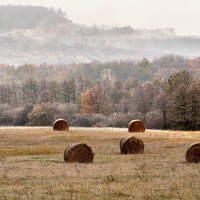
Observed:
{"x":161,"y":104}
{"x":143,"y":69}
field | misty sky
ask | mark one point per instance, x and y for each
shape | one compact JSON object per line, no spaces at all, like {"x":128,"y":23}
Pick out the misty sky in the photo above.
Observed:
{"x":182,"y":15}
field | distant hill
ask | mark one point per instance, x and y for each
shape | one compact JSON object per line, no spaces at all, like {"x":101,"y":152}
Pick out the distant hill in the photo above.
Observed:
{"x":35,"y":34}
{"x":30,"y":17}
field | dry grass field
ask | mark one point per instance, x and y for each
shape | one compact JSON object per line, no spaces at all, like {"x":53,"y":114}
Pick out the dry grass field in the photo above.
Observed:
{"x":32,"y":165}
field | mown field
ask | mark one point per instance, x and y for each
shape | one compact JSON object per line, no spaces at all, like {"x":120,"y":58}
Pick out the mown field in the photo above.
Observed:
{"x":32,"y":165}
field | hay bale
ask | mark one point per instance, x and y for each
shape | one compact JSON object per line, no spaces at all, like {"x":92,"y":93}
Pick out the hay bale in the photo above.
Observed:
{"x":193,"y":153}
{"x":78,"y":153}
{"x":60,"y":125}
{"x":136,"y":126}
{"x":131,"y":145}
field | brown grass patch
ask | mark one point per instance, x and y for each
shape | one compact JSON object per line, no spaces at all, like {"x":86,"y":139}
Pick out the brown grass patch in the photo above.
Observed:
{"x":161,"y":172}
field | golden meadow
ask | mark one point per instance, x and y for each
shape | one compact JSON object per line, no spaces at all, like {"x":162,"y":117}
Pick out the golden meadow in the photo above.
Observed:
{"x":32,"y":165}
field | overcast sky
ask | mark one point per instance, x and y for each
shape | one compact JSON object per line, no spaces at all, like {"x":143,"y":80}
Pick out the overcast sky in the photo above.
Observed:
{"x":182,"y":15}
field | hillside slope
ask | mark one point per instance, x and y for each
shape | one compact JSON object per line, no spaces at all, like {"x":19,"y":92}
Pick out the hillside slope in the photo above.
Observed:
{"x":34,"y":34}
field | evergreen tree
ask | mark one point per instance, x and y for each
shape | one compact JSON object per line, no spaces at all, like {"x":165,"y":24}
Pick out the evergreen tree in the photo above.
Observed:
{"x":144,"y":70}
{"x":178,"y":85}
{"x":117,"y":91}
{"x":193,"y":107}
{"x":54,"y":91}
{"x":117,"y":95}
{"x":72,"y":90}
{"x":64,"y":87}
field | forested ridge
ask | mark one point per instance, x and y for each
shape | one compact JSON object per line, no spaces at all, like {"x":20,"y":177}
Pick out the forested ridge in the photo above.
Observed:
{"x":95,"y":95}
{"x":30,"y":17}
{"x":35,"y":34}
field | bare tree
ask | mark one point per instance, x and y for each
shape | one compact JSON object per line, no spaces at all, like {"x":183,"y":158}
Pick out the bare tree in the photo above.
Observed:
{"x":160,"y":106}
{"x":30,"y":91}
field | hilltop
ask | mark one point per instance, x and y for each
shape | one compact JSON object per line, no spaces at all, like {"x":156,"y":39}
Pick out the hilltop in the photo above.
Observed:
{"x":35,"y":34}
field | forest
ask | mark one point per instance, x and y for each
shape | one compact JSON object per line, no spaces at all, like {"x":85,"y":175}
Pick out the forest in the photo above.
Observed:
{"x":164,"y":93}
{"x":95,"y":76}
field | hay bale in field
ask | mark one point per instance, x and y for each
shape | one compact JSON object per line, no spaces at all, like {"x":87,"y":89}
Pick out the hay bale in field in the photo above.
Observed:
{"x":193,"y":153}
{"x":136,"y":126}
{"x":131,"y":145}
{"x":60,"y":125}
{"x":78,"y":152}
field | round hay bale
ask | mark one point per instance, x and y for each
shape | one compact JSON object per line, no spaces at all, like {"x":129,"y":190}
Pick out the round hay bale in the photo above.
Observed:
{"x":60,"y":125}
{"x":131,"y":145}
{"x":78,"y":153}
{"x":193,"y":153}
{"x":136,"y":126}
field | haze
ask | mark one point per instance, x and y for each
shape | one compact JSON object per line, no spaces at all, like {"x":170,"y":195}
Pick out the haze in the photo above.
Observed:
{"x":182,"y":15}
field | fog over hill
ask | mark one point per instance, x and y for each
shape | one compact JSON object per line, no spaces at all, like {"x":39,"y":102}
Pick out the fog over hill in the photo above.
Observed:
{"x":35,"y":34}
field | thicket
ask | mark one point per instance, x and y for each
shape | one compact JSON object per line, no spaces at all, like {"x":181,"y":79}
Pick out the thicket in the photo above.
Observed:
{"x":160,"y":104}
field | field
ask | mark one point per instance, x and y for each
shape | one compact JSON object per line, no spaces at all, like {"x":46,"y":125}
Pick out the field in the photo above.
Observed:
{"x":32,"y":165}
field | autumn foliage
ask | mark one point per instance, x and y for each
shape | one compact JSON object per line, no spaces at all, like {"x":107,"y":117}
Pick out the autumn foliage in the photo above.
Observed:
{"x":94,"y":102}
{"x":90,"y":102}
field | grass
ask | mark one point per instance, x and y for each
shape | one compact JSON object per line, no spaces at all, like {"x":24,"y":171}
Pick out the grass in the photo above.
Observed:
{"x":32,"y":165}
